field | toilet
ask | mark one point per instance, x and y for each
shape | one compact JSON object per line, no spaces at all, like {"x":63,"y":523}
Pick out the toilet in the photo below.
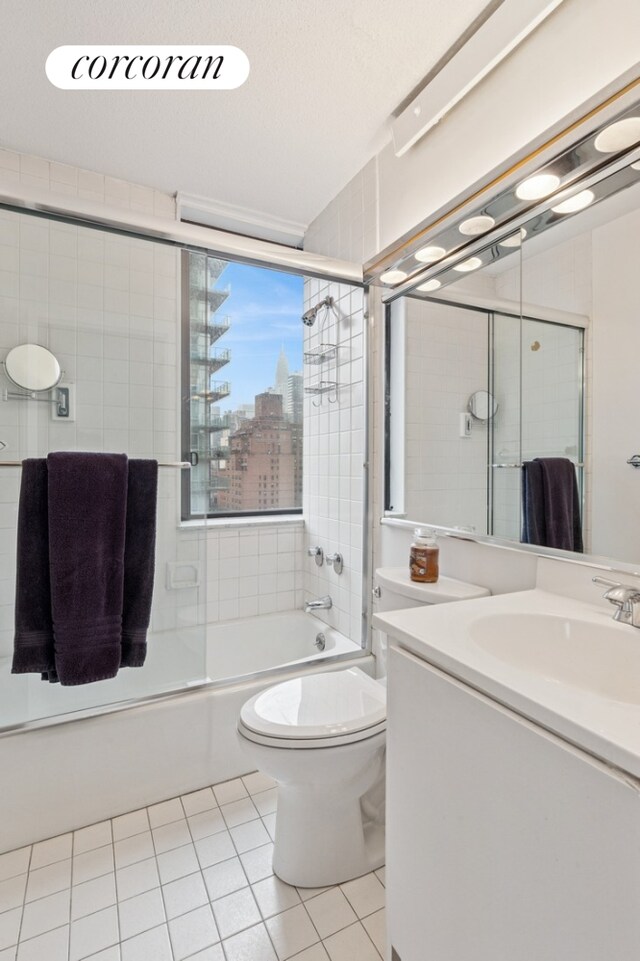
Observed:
{"x":322,"y":737}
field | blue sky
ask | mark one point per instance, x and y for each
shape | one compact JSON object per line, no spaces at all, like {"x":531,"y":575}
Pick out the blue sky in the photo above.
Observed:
{"x":265,"y":309}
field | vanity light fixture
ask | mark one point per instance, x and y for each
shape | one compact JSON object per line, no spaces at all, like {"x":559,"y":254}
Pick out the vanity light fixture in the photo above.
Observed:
{"x":393,"y":276}
{"x":474,"y":226}
{"x":432,"y":284}
{"x":575,"y":203}
{"x":618,"y":136}
{"x":429,"y":255}
{"x":471,"y":264}
{"x":537,"y":187}
{"x":515,"y":240}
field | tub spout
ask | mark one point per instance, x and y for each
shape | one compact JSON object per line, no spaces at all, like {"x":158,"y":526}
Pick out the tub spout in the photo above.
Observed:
{"x":322,"y":603}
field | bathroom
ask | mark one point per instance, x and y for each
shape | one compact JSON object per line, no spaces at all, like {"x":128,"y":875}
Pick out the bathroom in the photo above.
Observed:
{"x":136,"y":822}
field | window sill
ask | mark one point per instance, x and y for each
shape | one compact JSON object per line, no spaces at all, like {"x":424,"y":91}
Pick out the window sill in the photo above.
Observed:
{"x":241,"y":523}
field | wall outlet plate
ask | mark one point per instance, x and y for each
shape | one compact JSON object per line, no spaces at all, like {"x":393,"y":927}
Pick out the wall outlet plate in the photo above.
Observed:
{"x":63,"y":407}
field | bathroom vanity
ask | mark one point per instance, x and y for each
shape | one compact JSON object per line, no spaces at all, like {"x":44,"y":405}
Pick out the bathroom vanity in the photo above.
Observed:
{"x":513,"y":779}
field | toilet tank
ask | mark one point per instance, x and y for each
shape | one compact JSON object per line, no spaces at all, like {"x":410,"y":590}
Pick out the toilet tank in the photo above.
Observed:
{"x":394,"y":590}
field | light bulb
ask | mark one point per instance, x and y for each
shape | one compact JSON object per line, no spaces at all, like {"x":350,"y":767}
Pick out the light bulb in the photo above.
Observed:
{"x":476,"y":225}
{"x":514,"y":240}
{"x":430,"y":285}
{"x":538,"y":186}
{"x":575,"y":203}
{"x":393,"y":276}
{"x":471,"y":264}
{"x":429,"y":255}
{"x":618,"y":135}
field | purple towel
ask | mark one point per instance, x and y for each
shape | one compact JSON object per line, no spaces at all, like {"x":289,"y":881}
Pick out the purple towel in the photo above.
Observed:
{"x":551,"y":504}
{"x":87,"y":610}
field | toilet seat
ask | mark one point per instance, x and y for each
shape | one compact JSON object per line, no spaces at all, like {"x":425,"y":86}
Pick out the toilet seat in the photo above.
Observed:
{"x":316,"y":710}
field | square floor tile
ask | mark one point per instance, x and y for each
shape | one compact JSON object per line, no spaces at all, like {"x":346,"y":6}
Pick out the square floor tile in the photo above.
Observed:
{"x":9,"y":954}
{"x":129,"y":824}
{"x":315,"y":953}
{"x":94,"y":836}
{"x":93,"y":864}
{"x":330,"y":912}
{"x":109,"y":954}
{"x":177,"y":863}
{"x":254,"y":944}
{"x":239,"y":812}
{"x":250,"y":835}
{"x":351,"y":944}
{"x":141,"y":913}
{"x":48,"y":852}
{"x":198,"y":801}
{"x":91,"y":896}
{"x":365,"y":894}
{"x":12,"y":892}
{"x":45,"y":915}
{"x":192,"y":932}
{"x":376,"y":927}
{"x":52,"y":946}
{"x":153,"y":945}
{"x":291,"y":932}
{"x":9,"y":927}
{"x":257,"y":782}
{"x":14,"y":862}
{"x":137,"y":878}
{"x":306,"y":893}
{"x":170,"y":836}
{"x":269,"y":821}
{"x":224,"y":878}
{"x":219,"y":847}
{"x":165,"y":812}
{"x":184,"y":895}
{"x":266,"y":802}
{"x":93,"y":933}
{"x":207,"y":823}
{"x":258,"y":863}
{"x":213,"y":953}
{"x":229,"y":791}
{"x":235,"y":912}
{"x":136,"y":848}
{"x":49,"y":880}
{"x":274,"y":896}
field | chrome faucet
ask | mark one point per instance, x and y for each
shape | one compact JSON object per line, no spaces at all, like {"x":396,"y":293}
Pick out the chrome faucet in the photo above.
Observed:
{"x":625,"y":597}
{"x":321,"y":604}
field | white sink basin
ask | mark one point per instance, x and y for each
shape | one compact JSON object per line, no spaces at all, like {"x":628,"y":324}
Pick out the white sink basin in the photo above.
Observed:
{"x":558,"y":661}
{"x":600,"y":658}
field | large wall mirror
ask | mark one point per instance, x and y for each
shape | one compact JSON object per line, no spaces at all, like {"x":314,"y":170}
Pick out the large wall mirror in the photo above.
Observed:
{"x":547,"y":321}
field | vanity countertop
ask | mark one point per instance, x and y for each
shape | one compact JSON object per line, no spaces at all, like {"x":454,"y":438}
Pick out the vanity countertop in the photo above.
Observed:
{"x":564,"y":664}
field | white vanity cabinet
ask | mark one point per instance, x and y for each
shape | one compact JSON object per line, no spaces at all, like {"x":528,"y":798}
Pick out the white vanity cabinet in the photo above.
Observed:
{"x":505,"y":843}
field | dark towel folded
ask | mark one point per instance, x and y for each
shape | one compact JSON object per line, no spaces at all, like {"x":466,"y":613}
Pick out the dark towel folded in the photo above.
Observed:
{"x":551,"y":504}
{"x":86,"y":535}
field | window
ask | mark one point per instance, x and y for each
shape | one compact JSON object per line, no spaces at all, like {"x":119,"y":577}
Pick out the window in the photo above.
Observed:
{"x":242,"y":400}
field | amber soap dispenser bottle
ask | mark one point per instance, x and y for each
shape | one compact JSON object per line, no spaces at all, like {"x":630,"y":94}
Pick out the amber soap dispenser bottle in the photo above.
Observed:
{"x":423,"y":563}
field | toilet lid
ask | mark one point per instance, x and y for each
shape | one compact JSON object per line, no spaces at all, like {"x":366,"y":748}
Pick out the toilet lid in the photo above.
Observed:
{"x":334,"y":704}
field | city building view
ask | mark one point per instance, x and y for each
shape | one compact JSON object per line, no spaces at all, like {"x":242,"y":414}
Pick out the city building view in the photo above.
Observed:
{"x":242,"y":426}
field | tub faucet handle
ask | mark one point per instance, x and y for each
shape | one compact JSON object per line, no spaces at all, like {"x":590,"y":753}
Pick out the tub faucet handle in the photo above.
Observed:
{"x":318,"y":553}
{"x":336,"y":560}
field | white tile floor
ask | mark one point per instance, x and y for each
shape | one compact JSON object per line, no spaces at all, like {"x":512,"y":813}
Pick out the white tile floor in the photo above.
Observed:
{"x":189,"y":878}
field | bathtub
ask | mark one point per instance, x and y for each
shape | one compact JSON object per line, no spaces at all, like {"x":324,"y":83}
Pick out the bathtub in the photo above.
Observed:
{"x":78,"y":768}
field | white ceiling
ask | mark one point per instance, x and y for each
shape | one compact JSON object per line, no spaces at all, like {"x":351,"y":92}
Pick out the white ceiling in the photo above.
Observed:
{"x":325,"y":78}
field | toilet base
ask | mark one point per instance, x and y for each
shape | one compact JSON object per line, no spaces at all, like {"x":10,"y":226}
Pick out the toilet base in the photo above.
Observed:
{"x":310,"y":853}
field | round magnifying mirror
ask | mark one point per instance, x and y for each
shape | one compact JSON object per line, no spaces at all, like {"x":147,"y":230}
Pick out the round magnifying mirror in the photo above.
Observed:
{"x":482,"y":405}
{"x":32,"y":367}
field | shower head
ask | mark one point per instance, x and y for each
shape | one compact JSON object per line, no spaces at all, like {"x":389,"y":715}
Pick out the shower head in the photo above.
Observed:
{"x":309,"y":316}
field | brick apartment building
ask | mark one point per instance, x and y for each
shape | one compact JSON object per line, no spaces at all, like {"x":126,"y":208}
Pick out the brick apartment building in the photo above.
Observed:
{"x":264,"y":469}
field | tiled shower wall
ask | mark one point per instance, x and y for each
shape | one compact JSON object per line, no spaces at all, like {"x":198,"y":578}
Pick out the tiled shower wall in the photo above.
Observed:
{"x":334,"y":453}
